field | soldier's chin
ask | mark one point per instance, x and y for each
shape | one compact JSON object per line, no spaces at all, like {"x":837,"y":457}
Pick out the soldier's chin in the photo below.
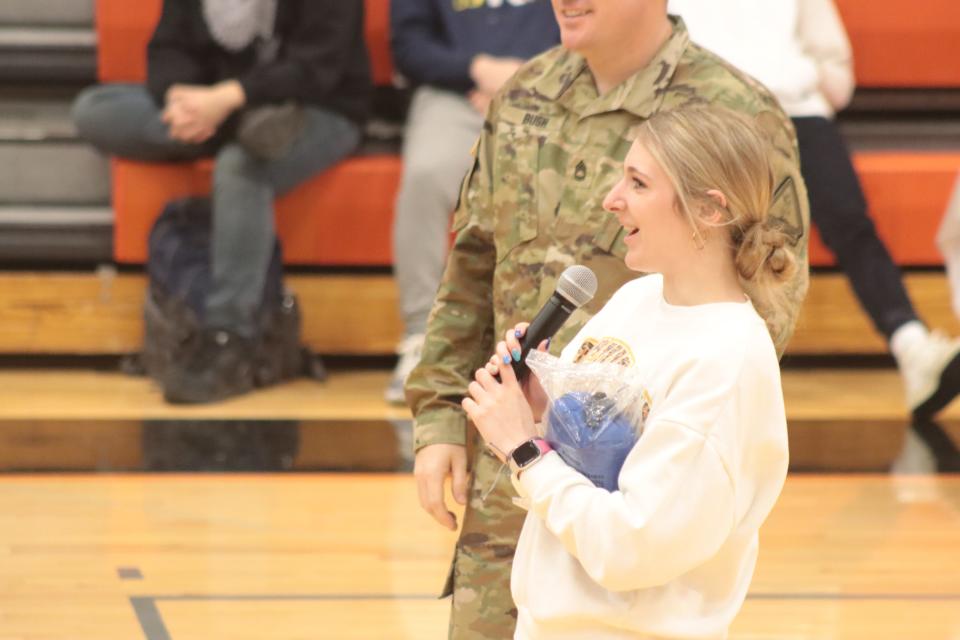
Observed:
{"x":574,"y":38}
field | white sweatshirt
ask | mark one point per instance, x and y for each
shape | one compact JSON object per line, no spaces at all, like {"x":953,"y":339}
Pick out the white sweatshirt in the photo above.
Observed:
{"x":671,"y":554}
{"x":797,"y":48}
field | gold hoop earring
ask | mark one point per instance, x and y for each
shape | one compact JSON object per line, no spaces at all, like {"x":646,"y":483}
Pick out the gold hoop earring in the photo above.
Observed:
{"x":698,"y":240}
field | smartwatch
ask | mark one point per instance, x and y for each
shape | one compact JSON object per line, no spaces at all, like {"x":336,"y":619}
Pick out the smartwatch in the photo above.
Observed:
{"x":528,"y":454}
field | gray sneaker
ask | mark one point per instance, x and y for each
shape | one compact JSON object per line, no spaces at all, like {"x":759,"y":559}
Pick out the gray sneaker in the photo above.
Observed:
{"x":409,"y":351}
{"x":269,"y":131}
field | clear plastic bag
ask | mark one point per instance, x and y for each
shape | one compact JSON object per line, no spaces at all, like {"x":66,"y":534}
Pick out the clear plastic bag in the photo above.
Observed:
{"x":595,"y":414}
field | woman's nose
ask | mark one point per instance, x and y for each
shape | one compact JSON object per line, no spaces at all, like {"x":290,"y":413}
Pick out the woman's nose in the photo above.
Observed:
{"x":613,"y":202}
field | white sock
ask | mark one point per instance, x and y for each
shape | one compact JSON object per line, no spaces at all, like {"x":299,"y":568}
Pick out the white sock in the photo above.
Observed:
{"x":906,"y":338}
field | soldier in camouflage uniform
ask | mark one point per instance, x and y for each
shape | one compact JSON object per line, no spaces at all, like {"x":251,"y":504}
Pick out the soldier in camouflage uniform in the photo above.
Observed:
{"x":551,"y":148}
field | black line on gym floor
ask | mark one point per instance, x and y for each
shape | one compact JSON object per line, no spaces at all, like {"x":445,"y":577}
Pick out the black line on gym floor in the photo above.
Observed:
{"x":148,"y":614}
{"x":129,"y":573}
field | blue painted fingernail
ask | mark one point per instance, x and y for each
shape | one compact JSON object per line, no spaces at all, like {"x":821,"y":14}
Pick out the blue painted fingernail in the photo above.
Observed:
{"x":517,"y":333}
{"x":506,"y":359}
{"x":516,"y":354}
{"x":548,"y":342}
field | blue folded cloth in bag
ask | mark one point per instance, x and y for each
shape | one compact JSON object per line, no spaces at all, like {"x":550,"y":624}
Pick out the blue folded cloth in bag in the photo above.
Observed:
{"x":591,"y":435}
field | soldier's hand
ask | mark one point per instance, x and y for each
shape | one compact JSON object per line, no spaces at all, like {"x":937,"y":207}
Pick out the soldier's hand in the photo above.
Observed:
{"x":431,"y":467}
{"x":479,"y":101}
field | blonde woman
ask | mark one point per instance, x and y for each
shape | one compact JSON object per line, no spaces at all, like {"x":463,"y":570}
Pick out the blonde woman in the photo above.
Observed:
{"x":671,"y":553}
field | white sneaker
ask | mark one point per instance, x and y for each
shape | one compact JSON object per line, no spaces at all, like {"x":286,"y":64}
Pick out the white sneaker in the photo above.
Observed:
{"x":931,"y":374}
{"x":409,"y":351}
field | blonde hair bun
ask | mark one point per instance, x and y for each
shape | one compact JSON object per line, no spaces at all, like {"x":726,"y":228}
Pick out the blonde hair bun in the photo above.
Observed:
{"x":703,"y":148}
{"x":763,"y":248}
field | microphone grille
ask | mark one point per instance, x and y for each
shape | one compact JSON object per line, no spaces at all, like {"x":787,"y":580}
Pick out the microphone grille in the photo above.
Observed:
{"x":578,"y":284}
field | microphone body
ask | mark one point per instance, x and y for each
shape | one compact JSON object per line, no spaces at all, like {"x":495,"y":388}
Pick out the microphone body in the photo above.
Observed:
{"x":575,"y":287}
{"x":546,"y":323}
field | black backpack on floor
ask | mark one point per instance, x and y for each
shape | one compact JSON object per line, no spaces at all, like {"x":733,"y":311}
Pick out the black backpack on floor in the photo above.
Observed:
{"x":179,"y":274}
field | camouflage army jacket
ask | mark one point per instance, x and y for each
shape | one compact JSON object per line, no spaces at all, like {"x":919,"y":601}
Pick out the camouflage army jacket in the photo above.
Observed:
{"x":550,"y":150}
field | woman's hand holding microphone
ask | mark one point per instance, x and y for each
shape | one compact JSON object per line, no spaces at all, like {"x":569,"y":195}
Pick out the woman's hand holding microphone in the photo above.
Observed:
{"x":506,"y":412}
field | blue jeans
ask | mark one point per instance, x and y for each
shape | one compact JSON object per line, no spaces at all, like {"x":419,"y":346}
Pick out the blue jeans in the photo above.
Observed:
{"x":123,"y":120}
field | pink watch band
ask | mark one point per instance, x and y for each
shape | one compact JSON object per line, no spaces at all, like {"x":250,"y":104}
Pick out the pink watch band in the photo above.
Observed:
{"x":545,"y":447}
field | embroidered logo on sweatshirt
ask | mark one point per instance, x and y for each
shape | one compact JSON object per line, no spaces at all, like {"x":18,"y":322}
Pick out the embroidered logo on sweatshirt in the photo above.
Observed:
{"x":611,"y":351}
{"x":608,"y":350}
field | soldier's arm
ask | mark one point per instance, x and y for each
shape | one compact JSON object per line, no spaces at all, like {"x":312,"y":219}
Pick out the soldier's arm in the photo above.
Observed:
{"x":461,"y":324}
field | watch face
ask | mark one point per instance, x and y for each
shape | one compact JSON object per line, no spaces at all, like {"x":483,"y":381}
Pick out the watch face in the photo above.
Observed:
{"x":526,"y":453}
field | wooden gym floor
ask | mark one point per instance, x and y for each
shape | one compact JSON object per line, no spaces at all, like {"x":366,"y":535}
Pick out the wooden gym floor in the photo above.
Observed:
{"x":284,"y":556}
{"x":350,"y":556}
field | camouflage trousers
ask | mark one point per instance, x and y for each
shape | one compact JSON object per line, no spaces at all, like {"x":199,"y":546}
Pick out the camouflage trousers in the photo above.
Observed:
{"x":482,"y":607}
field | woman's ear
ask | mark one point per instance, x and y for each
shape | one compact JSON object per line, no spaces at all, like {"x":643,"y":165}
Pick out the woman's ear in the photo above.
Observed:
{"x":715,"y":205}
{"x":718,"y":198}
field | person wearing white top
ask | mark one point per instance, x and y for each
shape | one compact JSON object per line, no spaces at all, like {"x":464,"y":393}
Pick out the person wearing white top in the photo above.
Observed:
{"x":800,"y":51}
{"x":671,"y":552}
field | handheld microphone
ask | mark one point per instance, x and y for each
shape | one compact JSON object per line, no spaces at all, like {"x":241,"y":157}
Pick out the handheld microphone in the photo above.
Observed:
{"x":576,"y":287}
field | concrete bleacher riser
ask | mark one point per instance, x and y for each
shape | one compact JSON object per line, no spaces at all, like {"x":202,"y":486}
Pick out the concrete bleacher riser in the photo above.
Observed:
{"x":47,"y":12}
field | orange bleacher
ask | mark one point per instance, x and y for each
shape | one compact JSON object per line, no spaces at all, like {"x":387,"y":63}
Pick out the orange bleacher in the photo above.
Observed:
{"x":908,"y":193}
{"x":344,"y":216}
{"x":904,"y":44}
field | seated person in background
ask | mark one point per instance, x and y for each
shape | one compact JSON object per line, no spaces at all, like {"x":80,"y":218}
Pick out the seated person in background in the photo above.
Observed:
{"x":670,"y":552}
{"x":458,"y":54}
{"x":800,"y":51}
{"x":275,"y":92}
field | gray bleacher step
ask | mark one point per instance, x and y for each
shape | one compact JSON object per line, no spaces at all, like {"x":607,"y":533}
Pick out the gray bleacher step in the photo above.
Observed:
{"x":28,"y":119}
{"x":44,"y":161}
{"x":36,"y":235}
{"x":41,"y":55}
{"x":65,"y":173}
{"x":47,"y":38}
{"x":47,"y":12}
{"x":903,"y":134}
{"x":905,"y":101}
